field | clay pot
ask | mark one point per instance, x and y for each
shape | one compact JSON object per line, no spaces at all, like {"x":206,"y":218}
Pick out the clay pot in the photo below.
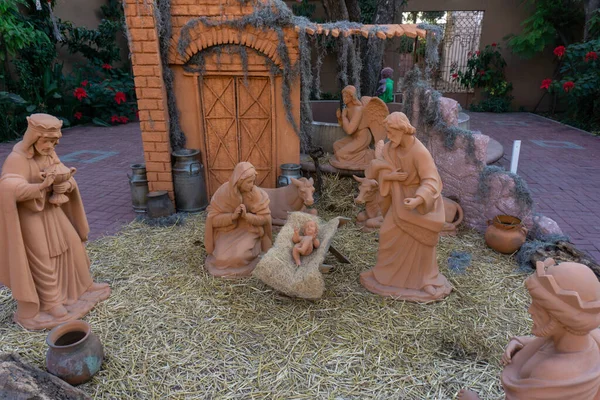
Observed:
{"x":75,"y":352}
{"x":505,"y":234}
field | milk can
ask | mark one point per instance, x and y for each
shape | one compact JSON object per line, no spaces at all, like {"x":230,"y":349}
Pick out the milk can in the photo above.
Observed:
{"x":138,"y":183}
{"x":188,"y":181}
{"x":288,"y":171}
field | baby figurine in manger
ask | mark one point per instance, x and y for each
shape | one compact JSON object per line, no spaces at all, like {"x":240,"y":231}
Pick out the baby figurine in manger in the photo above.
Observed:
{"x":306,"y":243}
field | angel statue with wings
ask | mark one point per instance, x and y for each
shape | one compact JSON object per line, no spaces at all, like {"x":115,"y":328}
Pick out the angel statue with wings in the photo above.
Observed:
{"x":361,"y":120}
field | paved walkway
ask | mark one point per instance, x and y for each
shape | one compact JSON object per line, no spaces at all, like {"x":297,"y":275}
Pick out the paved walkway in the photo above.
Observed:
{"x":561,"y":166}
{"x":559,"y":163}
{"x":102,"y":157}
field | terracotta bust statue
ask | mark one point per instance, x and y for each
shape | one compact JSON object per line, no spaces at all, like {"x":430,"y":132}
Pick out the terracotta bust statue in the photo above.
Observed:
{"x":42,"y":254}
{"x":238,"y":225}
{"x":413,"y":212}
{"x":306,"y":243}
{"x":562,"y":360}
{"x":361,"y":120}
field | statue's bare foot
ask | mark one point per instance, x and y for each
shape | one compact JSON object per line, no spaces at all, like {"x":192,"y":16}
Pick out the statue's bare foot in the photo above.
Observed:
{"x":58,"y":311}
{"x":97,"y":286}
{"x":429,"y":289}
{"x":465,"y":394}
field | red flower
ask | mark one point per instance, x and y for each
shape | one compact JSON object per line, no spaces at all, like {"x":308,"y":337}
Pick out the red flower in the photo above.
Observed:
{"x":477,"y":53}
{"x":115,"y":118}
{"x":481,"y":72}
{"x":78,"y":115}
{"x":454,"y":76}
{"x":80,"y":93}
{"x":123,"y":120}
{"x":546,"y":84}
{"x":569,"y":85}
{"x":591,"y":55}
{"x":559,"y":51}
{"x":494,"y":44}
{"x":84,"y":83}
{"x":120,"y":97}
{"x":106,"y":66}
{"x":469,"y":54}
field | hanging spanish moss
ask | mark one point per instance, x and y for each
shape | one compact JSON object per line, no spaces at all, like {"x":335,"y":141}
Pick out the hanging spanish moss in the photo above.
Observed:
{"x":306,"y":120}
{"x":355,"y":64}
{"x":244,"y":58}
{"x":432,"y":52}
{"x":321,"y":46}
{"x":343,"y":61}
{"x":162,"y":15}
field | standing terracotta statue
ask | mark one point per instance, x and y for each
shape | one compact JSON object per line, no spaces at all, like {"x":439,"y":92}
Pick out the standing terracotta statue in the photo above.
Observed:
{"x":42,"y":254}
{"x":306,"y":243}
{"x":413,"y":212}
{"x":361,"y":120}
{"x":238,"y":225}
{"x":562,"y":360}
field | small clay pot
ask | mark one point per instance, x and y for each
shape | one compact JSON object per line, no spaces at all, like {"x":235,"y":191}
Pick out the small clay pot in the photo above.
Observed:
{"x":75,"y":352}
{"x":505,"y":234}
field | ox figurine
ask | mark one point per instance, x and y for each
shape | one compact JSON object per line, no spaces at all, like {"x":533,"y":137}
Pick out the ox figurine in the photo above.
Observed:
{"x":370,"y":219}
{"x":295,"y":197}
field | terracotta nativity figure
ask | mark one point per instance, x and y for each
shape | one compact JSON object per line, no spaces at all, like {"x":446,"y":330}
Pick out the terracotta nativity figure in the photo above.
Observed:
{"x":361,"y":120}
{"x":413,"y":213}
{"x":562,"y":359}
{"x":42,"y":255}
{"x":238,"y":225}
{"x":306,"y":243}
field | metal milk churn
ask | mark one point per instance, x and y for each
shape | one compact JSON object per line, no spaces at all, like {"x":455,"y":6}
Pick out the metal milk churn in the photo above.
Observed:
{"x":288,"y":171}
{"x":188,"y":181}
{"x":138,"y":183}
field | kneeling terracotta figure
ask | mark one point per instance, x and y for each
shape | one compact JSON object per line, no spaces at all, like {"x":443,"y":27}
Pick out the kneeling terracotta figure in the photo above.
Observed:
{"x":42,"y":254}
{"x":238,"y":225}
{"x":562,"y":360}
{"x":306,"y":243}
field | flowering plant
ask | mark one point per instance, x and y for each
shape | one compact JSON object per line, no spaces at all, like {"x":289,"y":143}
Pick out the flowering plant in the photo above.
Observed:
{"x":579,"y":83}
{"x":485,"y":70}
{"x":103,"y":94}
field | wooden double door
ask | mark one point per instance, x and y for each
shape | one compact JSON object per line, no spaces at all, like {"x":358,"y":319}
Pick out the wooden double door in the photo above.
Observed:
{"x":238,"y":126}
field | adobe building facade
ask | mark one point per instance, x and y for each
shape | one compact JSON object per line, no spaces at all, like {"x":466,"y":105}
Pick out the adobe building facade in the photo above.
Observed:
{"x":231,"y":107}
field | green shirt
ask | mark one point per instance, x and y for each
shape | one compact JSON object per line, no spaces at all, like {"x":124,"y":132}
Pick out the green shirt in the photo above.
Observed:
{"x":388,"y":95}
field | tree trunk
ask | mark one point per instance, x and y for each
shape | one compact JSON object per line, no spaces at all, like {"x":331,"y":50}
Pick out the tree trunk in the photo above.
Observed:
{"x":335,"y":10}
{"x":353,"y":10}
{"x":373,"y":59}
{"x":589,"y":6}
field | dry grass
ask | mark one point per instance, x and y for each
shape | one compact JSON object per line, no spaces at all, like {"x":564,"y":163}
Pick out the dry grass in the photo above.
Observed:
{"x":172,"y":331}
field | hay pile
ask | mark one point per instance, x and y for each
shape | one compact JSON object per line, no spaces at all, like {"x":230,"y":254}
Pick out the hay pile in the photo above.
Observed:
{"x":172,"y":331}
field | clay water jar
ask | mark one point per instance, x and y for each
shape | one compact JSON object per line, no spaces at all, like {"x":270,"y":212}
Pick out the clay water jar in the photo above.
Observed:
{"x":75,"y":353}
{"x":505,"y":234}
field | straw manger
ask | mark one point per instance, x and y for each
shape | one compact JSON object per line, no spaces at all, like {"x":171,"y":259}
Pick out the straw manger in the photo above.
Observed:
{"x":170,"y":330}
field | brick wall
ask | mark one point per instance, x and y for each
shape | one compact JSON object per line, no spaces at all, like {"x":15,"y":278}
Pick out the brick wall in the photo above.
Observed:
{"x":151,"y":94}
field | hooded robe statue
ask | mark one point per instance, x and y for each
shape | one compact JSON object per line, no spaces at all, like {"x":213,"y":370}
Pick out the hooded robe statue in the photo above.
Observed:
{"x":42,"y":255}
{"x":234,"y":245}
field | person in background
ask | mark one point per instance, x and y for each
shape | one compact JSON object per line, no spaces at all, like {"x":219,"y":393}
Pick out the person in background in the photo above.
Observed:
{"x":385,"y":91}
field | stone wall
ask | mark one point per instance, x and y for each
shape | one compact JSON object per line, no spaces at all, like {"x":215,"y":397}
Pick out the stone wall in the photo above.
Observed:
{"x":460,"y":156}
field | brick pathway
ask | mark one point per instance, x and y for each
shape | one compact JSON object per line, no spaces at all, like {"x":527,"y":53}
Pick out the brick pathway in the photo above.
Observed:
{"x":102,"y":157}
{"x":561,"y":166}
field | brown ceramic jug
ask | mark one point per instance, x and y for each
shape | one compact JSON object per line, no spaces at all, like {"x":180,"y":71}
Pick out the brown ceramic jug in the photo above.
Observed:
{"x":75,"y":353}
{"x":505,"y":234}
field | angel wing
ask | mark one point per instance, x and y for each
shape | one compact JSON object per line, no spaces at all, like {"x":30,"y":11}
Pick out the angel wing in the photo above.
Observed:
{"x":374,"y":112}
